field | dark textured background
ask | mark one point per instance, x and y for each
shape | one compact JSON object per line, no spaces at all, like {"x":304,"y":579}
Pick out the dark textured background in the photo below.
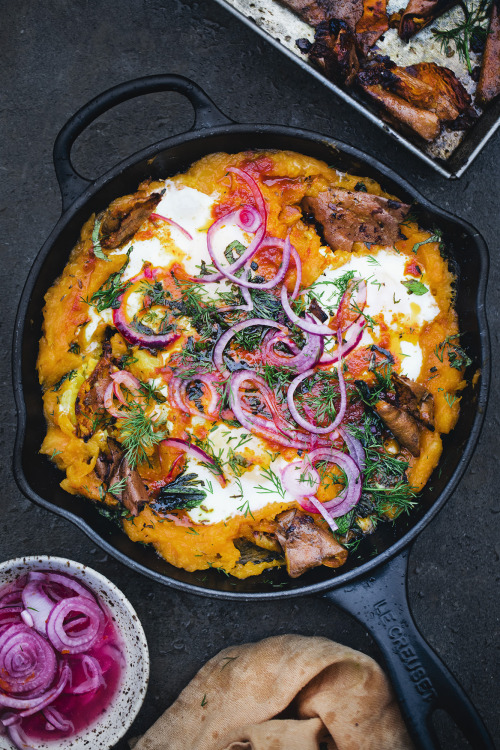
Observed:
{"x":54,"y":56}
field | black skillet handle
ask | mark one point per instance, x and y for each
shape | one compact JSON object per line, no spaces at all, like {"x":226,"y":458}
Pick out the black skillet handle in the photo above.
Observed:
{"x":72,"y":184}
{"x":421,"y":680}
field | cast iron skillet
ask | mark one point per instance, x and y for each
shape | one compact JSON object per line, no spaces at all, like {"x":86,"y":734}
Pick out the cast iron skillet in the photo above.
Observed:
{"x":372,"y":585}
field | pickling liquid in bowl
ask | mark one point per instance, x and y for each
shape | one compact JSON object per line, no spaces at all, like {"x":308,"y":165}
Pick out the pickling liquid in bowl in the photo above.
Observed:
{"x":73,"y":713}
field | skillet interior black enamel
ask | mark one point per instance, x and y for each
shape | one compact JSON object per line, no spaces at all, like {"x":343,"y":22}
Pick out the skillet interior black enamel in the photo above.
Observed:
{"x":212,"y":132}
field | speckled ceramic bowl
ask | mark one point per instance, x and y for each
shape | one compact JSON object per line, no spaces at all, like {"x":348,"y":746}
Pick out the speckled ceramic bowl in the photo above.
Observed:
{"x":113,"y":724}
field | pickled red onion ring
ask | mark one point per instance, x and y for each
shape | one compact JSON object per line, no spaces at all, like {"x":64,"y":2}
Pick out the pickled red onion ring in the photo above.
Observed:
{"x":228,"y":335}
{"x":27,"y":662}
{"x":75,"y":643}
{"x":173,"y":223}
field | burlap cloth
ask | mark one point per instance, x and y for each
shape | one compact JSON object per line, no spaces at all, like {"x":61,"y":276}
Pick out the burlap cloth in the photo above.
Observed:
{"x":284,"y":693}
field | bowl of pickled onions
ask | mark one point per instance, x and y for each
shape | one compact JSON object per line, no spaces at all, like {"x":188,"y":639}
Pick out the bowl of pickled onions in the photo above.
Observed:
{"x":74,"y":662}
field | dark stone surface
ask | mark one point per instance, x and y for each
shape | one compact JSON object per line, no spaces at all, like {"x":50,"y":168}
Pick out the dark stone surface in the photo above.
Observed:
{"x":53,"y":58}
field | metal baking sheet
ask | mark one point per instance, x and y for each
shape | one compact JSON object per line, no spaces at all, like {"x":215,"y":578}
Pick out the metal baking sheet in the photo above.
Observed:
{"x":453,"y":151}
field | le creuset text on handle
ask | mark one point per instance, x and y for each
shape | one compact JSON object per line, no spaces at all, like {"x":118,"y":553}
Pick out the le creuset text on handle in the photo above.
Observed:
{"x":421,"y":680}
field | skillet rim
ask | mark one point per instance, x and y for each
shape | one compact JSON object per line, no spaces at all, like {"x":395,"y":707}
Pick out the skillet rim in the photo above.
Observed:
{"x":386,"y":174}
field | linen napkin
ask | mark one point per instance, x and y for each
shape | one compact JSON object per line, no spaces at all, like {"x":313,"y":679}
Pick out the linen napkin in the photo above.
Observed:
{"x":288,"y":692}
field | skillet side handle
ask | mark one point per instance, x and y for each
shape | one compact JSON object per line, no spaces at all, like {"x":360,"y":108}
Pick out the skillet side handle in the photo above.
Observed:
{"x":71,"y":183}
{"x":420,"y":679}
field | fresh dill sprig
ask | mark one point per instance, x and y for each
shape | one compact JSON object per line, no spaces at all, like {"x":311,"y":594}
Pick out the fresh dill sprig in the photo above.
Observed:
{"x":278,"y":376}
{"x":265,"y":305}
{"x":456,"y":355}
{"x":118,"y":487}
{"x":196,"y":305}
{"x":276,"y":488}
{"x":323,"y":396}
{"x":139,"y":433}
{"x":472,"y":29}
{"x":109,"y":294}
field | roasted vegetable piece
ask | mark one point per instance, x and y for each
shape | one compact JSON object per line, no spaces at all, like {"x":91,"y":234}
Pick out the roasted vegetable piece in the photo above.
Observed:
{"x":315,"y":12}
{"x":419,"y":13}
{"x":401,"y":424}
{"x":424,"y":123}
{"x":334,"y":51}
{"x":124,"y":481}
{"x":90,"y":399}
{"x":415,"y":399}
{"x":489,"y":81}
{"x":348,"y":216}
{"x":372,"y":24}
{"x":305,"y":544}
{"x":449,"y":94}
{"x":124,"y":217}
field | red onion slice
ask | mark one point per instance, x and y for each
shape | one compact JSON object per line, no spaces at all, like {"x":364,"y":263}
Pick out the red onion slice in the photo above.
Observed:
{"x":260,"y":426}
{"x":350,"y":496}
{"x":303,"y":359}
{"x":260,"y":233}
{"x":350,"y":343}
{"x":320,"y":508}
{"x":55,"y":720}
{"x":177,"y":389}
{"x":209,"y":382}
{"x":355,"y":448}
{"x":108,"y":402}
{"x":93,"y":677}
{"x":258,"y":243}
{"x":300,"y":479}
{"x":27,"y":663}
{"x":198,"y":454}
{"x":360,"y":286}
{"x":173,"y":223}
{"x":18,"y":737}
{"x":256,"y":191}
{"x":75,"y":643}
{"x":304,"y":422}
{"x":12,"y":596}
{"x":306,"y":325}
{"x":51,"y":695}
{"x":153,"y":341}
{"x":228,"y":335}
{"x":298,"y":266}
{"x":146,"y":341}
{"x":123,"y":377}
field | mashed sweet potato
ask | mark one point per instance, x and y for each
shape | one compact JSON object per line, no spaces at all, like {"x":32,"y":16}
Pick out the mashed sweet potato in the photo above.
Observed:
{"x":151,"y":421}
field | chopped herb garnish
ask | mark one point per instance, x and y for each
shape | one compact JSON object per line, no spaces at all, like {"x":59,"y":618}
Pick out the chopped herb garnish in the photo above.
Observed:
{"x":276,"y":487}
{"x":415,"y":287}
{"x":227,"y":660}
{"x":139,"y":433}
{"x":456,"y":355}
{"x":450,"y":399}
{"x":68,"y":376}
{"x":96,"y":243}
{"x":473,"y":29}
{"x":436,"y":237}
{"x":109,"y":294}
{"x":118,"y":487}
